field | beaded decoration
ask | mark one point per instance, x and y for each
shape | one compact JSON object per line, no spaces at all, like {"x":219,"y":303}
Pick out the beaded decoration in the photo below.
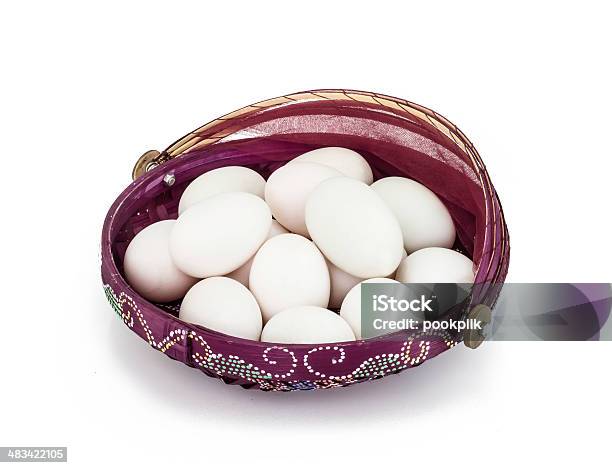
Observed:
{"x":411,"y":353}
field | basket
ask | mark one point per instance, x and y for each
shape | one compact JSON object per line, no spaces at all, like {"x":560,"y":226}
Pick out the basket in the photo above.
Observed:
{"x":397,"y":138}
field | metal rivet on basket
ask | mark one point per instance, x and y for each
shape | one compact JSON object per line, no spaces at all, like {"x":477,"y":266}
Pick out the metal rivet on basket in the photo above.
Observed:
{"x":474,"y":338}
{"x":169,"y":179}
{"x":145,"y":163}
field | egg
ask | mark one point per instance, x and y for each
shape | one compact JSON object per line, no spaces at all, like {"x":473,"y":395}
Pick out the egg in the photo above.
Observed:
{"x":350,"y":310}
{"x":341,"y":283}
{"x":348,"y":162}
{"x":219,"y":234}
{"x":287,"y":271}
{"x":306,"y":325}
{"x":224,"y":305}
{"x":287,"y":190}
{"x":149,"y":268}
{"x":435,"y":265}
{"x":221,"y":180}
{"x":424,"y":219}
{"x":354,"y":228}
{"x":241,"y":274}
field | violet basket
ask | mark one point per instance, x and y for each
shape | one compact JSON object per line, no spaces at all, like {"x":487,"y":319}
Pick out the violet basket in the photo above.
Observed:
{"x":398,"y":138}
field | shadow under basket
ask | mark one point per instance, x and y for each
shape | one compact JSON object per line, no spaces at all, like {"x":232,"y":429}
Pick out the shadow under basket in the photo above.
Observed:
{"x":398,"y":138}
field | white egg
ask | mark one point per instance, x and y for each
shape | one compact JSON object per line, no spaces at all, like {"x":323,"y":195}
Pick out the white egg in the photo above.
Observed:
{"x":347,"y":161}
{"x":221,"y":180}
{"x":288,"y":188}
{"x":435,"y":265}
{"x":306,"y":325}
{"x":351,"y":306}
{"x":354,"y":228}
{"x":341,"y":283}
{"x":219,"y":234}
{"x":148,"y":267}
{"x":424,"y":219}
{"x":287,"y":271}
{"x":224,"y":305}
{"x":241,"y":274}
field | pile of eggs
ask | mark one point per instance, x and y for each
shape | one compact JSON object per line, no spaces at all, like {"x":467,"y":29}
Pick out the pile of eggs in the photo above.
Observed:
{"x":267,"y":260}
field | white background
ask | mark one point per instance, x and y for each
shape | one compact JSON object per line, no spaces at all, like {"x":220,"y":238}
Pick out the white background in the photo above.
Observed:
{"x":85,"y":89}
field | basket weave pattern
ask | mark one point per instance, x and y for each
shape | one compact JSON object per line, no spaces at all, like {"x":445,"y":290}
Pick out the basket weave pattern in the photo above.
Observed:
{"x":397,"y":138}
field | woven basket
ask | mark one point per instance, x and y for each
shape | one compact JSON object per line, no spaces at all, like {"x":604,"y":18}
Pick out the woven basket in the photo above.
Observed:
{"x":397,"y":138}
